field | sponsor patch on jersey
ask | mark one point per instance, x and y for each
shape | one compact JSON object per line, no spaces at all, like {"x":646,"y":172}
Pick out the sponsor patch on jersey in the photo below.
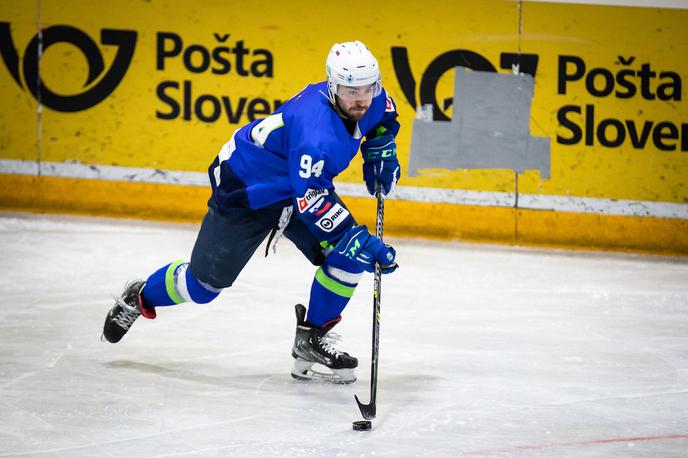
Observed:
{"x":332,"y":218}
{"x":390,"y":104}
{"x":309,"y":199}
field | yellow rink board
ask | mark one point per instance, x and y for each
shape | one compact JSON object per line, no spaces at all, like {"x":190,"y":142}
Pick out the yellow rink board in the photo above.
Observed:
{"x":665,"y":236}
{"x":609,"y":93}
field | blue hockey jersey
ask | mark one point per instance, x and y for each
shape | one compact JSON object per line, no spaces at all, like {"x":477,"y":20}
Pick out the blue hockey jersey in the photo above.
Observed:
{"x":301,"y":147}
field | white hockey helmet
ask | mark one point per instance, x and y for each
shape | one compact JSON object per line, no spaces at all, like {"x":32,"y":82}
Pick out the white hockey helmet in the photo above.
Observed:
{"x":351,"y":64}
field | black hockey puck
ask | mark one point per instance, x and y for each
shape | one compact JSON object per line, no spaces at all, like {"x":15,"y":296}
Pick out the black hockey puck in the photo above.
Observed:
{"x":362,"y":425}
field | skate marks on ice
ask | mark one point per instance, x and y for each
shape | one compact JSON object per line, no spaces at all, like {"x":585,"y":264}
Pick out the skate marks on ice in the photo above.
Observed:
{"x":484,"y":351}
{"x":96,"y":448}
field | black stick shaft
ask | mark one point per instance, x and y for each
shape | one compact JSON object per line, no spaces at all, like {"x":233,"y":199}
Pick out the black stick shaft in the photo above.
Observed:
{"x":376,"y":302}
{"x":369,"y":410}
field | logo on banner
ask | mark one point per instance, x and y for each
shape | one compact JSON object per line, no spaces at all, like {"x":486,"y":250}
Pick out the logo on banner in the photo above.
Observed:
{"x":525,"y":63}
{"x":625,"y":77}
{"x":94,"y":92}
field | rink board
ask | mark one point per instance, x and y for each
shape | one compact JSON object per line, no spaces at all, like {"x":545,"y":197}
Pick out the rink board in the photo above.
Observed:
{"x":609,"y":96}
{"x":474,"y":223}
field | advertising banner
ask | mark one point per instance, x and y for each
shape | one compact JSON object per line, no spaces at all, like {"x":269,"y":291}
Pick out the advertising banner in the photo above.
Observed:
{"x":567,"y":108}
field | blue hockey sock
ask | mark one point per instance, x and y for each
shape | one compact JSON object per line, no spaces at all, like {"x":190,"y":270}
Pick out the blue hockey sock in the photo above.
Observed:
{"x":174,"y":284}
{"x":331,"y":290}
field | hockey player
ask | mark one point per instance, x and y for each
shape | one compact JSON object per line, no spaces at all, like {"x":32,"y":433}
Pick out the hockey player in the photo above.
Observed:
{"x":274,"y":177}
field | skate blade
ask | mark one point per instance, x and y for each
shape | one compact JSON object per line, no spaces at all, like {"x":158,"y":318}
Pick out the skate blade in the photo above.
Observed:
{"x":303,"y":370}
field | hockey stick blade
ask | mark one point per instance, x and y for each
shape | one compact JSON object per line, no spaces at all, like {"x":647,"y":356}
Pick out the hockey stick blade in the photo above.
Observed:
{"x":367,"y":410}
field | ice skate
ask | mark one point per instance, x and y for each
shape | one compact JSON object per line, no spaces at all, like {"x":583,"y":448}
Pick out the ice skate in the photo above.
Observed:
{"x":313,"y":348}
{"x":128,"y":307}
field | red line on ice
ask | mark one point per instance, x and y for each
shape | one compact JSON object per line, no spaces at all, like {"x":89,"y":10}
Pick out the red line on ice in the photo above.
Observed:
{"x":569,"y":444}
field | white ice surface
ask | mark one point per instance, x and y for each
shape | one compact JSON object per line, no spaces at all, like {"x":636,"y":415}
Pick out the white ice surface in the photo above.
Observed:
{"x":485,"y":351}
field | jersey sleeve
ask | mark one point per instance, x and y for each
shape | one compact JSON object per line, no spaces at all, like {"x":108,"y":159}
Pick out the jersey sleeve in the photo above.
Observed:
{"x":388,"y":124}
{"x":324,"y":214}
{"x":315,"y":201}
{"x":307,"y":169}
{"x":305,"y":160}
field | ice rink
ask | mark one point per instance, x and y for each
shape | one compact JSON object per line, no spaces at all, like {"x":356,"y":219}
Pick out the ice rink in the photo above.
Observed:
{"x":485,"y":351}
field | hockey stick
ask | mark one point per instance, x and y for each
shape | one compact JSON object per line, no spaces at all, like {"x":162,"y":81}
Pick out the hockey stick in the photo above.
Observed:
{"x":368,"y":410}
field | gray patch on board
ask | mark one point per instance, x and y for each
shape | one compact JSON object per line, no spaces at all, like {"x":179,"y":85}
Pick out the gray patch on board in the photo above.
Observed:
{"x":489,"y":129}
